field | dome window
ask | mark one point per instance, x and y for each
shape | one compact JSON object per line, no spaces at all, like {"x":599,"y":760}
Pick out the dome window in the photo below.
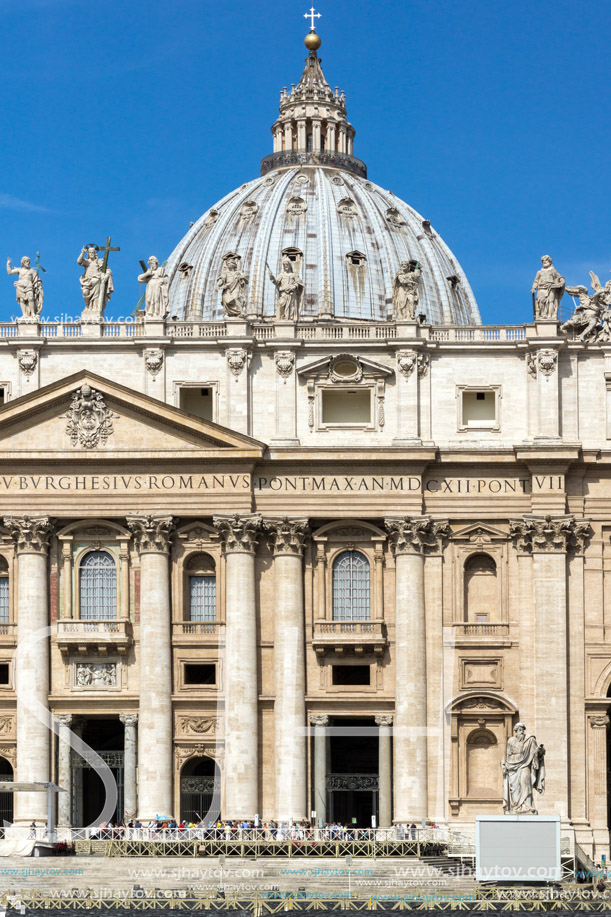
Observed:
{"x":293,"y":254}
{"x":296,"y":206}
{"x":358,"y":259}
{"x":394,"y":217}
{"x":211,"y":219}
{"x":249,"y":211}
{"x":346,"y":208}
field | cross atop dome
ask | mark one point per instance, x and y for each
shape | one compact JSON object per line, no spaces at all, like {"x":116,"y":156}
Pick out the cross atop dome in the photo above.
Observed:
{"x":311,"y":15}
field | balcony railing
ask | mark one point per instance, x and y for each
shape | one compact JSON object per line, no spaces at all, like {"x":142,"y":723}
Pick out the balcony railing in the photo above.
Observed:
{"x":287,"y":158}
{"x":99,"y":636}
{"x":8,"y":632}
{"x":198,"y":631}
{"x":483,"y":630}
{"x":353,"y":635}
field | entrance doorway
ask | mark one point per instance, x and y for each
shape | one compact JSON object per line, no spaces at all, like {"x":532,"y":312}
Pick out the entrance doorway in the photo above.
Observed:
{"x":352,"y":777}
{"x":6,"y":799}
{"x":200,"y":790}
{"x":106,"y":737}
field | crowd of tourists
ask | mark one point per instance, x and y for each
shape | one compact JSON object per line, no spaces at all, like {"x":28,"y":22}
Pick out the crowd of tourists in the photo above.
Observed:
{"x":162,"y":829}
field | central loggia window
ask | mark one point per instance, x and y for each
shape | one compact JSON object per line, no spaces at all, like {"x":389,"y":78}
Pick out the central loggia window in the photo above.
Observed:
{"x":351,"y":587}
{"x":98,"y":586}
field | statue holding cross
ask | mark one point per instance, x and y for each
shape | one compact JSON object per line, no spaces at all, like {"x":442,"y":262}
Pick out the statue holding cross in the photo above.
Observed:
{"x":96,"y":279}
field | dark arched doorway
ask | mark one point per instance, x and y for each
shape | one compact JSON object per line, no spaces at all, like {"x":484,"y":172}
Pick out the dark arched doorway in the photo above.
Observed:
{"x":200,"y":790}
{"x":6,"y":799}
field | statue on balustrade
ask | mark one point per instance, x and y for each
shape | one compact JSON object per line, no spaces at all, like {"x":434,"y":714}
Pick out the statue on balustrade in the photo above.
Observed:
{"x":157,"y":296}
{"x":547,"y":290}
{"x":290,"y":289}
{"x":96,"y":283}
{"x":592,"y":317}
{"x":28,"y":287}
{"x":523,"y":770}
{"x":405,"y":290}
{"x":232,"y":283}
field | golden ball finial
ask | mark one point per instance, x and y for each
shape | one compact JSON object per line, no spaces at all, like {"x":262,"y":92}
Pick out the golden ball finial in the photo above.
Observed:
{"x":312,"y":41}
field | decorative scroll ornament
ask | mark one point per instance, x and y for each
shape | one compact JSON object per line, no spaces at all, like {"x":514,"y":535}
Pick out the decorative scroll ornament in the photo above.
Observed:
{"x":319,"y":719}
{"x":287,"y":535}
{"x":129,"y":719}
{"x":345,"y":367}
{"x":153,"y":360}
{"x":89,"y":422}
{"x":531,"y":364}
{"x":420,"y":535}
{"x":423,"y":364}
{"x":27,"y":361}
{"x":199,"y":725}
{"x":151,"y":533}
{"x":544,"y":534}
{"x":30,"y":533}
{"x":199,"y":784}
{"x":7,"y":725}
{"x":183,"y":752}
{"x":406,"y":361}
{"x":546,"y":361}
{"x":384,"y":720}
{"x":599,"y":722}
{"x":236,"y":360}
{"x":239,"y":533}
{"x":285,"y":361}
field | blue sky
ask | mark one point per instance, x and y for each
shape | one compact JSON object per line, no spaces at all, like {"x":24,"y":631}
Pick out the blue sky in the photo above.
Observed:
{"x":130,"y":119}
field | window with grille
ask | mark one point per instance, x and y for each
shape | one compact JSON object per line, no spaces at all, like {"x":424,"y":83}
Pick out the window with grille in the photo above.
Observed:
{"x":202,"y":598}
{"x":4,"y":606}
{"x":98,"y":586}
{"x":351,"y":587}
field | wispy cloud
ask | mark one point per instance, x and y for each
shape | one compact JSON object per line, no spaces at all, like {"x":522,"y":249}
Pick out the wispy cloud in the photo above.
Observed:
{"x":10,"y":202}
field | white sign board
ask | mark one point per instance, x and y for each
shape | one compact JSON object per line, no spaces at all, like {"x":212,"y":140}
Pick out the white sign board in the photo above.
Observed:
{"x":517,"y":848}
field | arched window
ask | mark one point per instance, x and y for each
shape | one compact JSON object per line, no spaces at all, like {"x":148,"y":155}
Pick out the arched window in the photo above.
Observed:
{"x":98,"y":586}
{"x":4,"y":592}
{"x":351,"y":587}
{"x":202,"y":588}
{"x":481,"y":597}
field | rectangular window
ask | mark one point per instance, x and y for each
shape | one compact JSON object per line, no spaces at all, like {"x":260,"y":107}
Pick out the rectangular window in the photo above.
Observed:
{"x":198,"y":401}
{"x":4,"y":673}
{"x":202,"y":598}
{"x":351,"y":675}
{"x":478,"y":408}
{"x":200,"y":674}
{"x":4,"y":606}
{"x":350,"y":407}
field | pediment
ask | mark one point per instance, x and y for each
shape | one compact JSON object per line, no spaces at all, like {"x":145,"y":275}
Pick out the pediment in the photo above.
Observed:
{"x":480,"y":532}
{"x":332,"y":368}
{"x":87,"y":416}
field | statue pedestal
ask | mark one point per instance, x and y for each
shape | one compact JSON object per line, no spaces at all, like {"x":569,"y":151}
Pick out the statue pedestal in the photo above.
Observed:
{"x":284,"y":330}
{"x":237,"y":327}
{"x":546,"y":327}
{"x":408,"y":328}
{"x":154,"y":327}
{"x":91,"y":328}
{"x":517,"y":848}
{"x":28,"y":327}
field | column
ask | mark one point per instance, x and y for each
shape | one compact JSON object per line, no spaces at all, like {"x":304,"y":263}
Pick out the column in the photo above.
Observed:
{"x":286,"y":392}
{"x":31,"y":536}
{"x":287,"y":537}
{"x":239,"y":539}
{"x":599,"y":723}
{"x":64,"y":770}
{"x":238,"y":361}
{"x":410,"y":540}
{"x":66,"y":544}
{"x":331,"y":141}
{"x":152,"y":536}
{"x":384,"y":724}
{"x":130,"y":794}
{"x":548,"y":538}
{"x":77,"y":779}
{"x":288,"y":136}
{"x":320,"y":766}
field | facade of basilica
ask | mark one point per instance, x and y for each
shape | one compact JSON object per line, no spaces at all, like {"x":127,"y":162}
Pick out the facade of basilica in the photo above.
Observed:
{"x":328,"y":540}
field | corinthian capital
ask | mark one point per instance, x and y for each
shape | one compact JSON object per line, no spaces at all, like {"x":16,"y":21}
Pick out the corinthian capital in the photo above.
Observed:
{"x":152,"y":533}
{"x":420,"y":535}
{"x":129,"y":719}
{"x":287,"y":535}
{"x":599,"y":721}
{"x":239,"y":533}
{"x":545,"y":534}
{"x":319,"y":719}
{"x":30,"y":533}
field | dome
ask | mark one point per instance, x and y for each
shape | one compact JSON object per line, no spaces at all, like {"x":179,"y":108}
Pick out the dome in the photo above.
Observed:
{"x":313,"y":204}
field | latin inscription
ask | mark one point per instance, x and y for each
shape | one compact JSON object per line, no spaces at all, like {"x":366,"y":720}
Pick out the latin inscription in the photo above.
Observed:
{"x":123,"y":483}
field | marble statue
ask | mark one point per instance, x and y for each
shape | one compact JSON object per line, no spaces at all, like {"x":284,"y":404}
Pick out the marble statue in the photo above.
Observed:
{"x":28,"y":287}
{"x":96,"y":283}
{"x":405,"y":290}
{"x":592,"y":317}
{"x":523,"y":770}
{"x":290,"y":291}
{"x":157,"y":296}
{"x":547,"y":290}
{"x":232,"y":283}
